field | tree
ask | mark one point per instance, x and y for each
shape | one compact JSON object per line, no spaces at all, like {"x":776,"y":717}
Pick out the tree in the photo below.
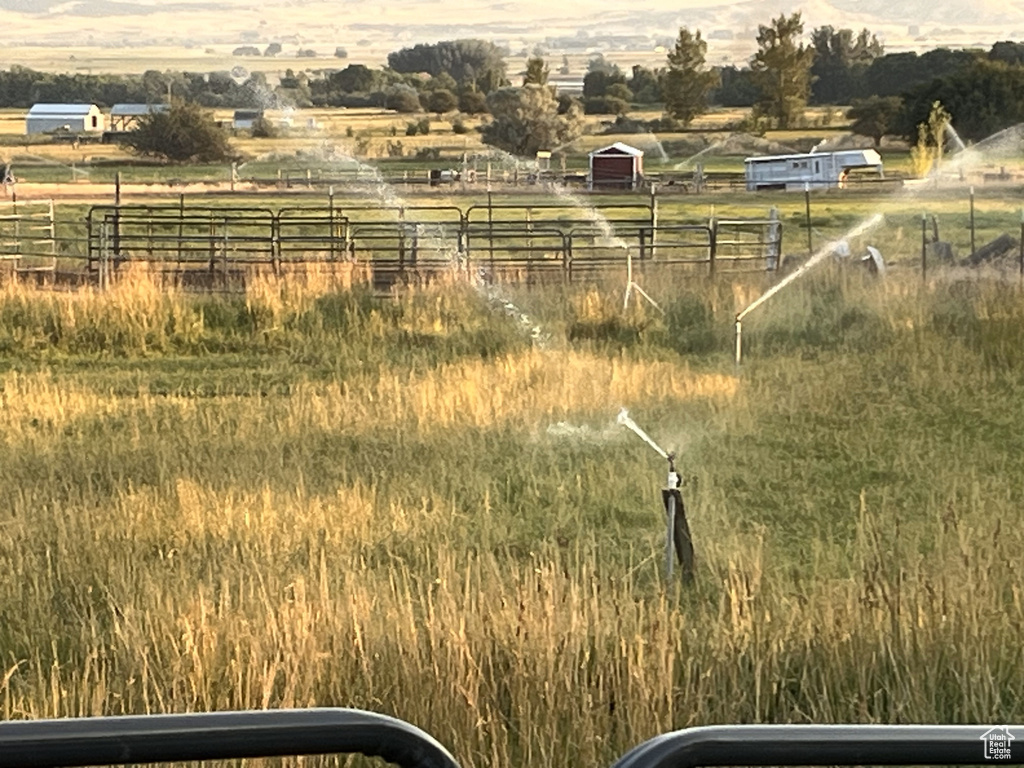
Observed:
{"x":527,"y":120}
{"x":476,"y":63}
{"x":782,"y":70}
{"x":1007,"y":52}
{"x":876,"y":116}
{"x":600,"y":75}
{"x":926,"y":155}
{"x":272,"y":50}
{"x":897,"y":73}
{"x":687,"y":82}
{"x":605,"y":105}
{"x":183,"y":133}
{"x":355,"y":78}
{"x":472,"y":102}
{"x":645,"y":85}
{"x":985,"y":98}
{"x":442,"y":100}
{"x":536,"y":72}
{"x":840,"y":61}
{"x":402,"y":98}
{"x":737,"y":88}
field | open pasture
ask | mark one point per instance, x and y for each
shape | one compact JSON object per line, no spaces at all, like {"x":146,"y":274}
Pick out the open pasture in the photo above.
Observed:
{"x":299,"y":496}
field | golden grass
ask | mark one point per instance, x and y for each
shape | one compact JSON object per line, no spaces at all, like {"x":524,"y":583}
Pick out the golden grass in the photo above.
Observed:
{"x":400,"y":538}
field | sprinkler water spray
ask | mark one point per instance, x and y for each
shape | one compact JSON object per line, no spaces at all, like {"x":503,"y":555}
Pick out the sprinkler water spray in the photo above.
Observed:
{"x":627,"y":422}
{"x":817,"y":258}
{"x":678,"y":530}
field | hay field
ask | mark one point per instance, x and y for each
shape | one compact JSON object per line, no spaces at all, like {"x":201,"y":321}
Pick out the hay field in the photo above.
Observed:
{"x":303,"y":497}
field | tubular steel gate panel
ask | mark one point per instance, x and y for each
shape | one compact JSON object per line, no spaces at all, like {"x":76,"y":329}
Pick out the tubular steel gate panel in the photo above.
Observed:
{"x":417,"y":242}
{"x":275,"y":733}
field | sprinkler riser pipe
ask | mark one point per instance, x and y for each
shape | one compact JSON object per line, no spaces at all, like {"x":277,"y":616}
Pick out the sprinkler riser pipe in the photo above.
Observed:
{"x":739,"y":341}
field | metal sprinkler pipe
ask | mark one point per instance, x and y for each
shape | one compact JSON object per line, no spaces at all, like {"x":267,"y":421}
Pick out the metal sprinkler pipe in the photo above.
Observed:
{"x":677,"y":537}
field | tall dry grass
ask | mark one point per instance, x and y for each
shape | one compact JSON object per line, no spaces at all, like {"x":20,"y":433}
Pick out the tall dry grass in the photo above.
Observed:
{"x":404,"y":533}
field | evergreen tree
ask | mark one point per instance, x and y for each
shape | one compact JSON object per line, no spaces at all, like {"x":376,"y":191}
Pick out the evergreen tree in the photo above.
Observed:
{"x":688,"y":82}
{"x":782,"y":70}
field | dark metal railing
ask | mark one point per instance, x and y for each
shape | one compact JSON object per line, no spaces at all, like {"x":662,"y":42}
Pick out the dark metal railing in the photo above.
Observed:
{"x":217,"y":735}
{"x":534,"y":236}
{"x":823,"y":745}
{"x":276,"y":733}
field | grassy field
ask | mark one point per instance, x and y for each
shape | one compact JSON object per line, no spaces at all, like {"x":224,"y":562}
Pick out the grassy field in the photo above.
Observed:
{"x":379,"y":137}
{"x":305,"y":497}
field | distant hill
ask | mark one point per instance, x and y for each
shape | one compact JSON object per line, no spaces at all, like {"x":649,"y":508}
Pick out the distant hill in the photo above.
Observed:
{"x":729,"y":25}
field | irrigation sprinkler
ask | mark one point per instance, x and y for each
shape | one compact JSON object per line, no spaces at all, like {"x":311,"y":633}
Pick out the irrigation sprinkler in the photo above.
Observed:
{"x":631,"y":284}
{"x":677,"y":531}
{"x":812,"y":262}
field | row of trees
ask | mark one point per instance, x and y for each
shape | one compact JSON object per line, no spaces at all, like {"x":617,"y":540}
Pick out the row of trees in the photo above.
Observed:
{"x":890,"y":94}
{"x":22,"y":87}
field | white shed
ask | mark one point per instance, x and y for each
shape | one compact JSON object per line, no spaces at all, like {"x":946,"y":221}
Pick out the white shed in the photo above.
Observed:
{"x":73,"y":118}
{"x":817,"y":170}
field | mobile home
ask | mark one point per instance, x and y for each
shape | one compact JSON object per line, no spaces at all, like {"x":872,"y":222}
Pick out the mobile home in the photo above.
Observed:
{"x":817,"y":170}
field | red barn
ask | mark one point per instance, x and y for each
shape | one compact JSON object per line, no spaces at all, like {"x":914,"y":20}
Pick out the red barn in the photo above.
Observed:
{"x":618,"y":166}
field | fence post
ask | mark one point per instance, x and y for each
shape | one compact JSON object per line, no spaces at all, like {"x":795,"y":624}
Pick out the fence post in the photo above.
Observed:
{"x":101,"y":266}
{"x":654,"y":220}
{"x":213,"y":245}
{"x":224,"y":253}
{"x":401,"y":239}
{"x":181,"y":226}
{"x":490,"y":220}
{"x":1022,"y":246}
{"x":275,"y":243}
{"x":117,"y":215}
{"x":774,"y":255}
{"x":713,"y":249}
{"x":924,"y":247}
{"x":330,"y":220}
{"x":89,"y":239}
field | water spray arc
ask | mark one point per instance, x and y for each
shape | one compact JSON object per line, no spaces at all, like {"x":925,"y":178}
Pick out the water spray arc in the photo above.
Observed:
{"x":817,"y":258}
{"x":677,"y":536}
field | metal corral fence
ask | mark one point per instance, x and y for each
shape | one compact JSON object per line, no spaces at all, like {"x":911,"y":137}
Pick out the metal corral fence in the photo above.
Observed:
{"x":502,"y":240}
{"x":275,"y":733}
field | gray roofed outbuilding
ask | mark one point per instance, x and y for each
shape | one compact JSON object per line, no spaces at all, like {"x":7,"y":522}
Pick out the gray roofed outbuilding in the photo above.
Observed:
{"x":67,"y":118}
{"x":125,"y":117}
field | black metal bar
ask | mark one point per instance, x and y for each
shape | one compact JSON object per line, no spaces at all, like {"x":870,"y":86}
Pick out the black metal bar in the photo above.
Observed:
{"x":215,"y":736}
{"x":813,"y":745}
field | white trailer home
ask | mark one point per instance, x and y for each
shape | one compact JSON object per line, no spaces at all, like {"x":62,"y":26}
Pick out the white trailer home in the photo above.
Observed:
{"x":817,"y":170}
